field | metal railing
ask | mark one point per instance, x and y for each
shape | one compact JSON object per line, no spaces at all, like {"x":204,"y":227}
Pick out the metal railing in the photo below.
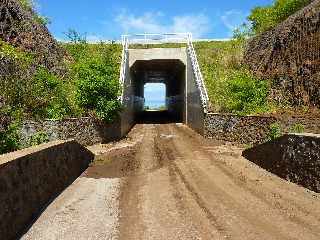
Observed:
{"x":198,"y":75}
{"x":185,"y":38}
{"x":124,"y":63}
{"x":157,"y":38}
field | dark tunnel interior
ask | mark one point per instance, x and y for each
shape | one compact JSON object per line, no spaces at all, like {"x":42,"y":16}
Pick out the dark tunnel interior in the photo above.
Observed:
{"x":172,"y":73}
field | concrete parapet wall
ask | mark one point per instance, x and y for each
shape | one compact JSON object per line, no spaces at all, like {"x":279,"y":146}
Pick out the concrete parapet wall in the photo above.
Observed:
{"x":293,"y":157}
{"x":30,"y":178}
{"x":87,"y":131}
{"x":157,"y":53}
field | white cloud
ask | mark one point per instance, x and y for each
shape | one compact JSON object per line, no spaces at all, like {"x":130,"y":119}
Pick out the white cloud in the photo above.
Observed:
{"x":232,"y":19}
{"x":152,"y":22}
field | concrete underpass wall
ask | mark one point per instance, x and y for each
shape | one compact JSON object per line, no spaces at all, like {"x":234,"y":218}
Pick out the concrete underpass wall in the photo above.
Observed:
{"x":188,"y":102}
{"x":127,"y":116}
{"x":293,"y":157}
{"x":195,"y":113}
{"x":175,"y":103}
{"x":30,"y":178}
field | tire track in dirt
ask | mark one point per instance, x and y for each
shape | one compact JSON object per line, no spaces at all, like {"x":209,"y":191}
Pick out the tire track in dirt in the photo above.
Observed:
{"x":242,"y":186}
{"x":167,"y":182}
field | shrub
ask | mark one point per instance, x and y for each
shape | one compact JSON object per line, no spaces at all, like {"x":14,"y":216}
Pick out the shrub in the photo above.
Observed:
{"x":42,"y":19}
{"x":274,"y":132}
{"x":264,"y":18}
{"x":9,"y":138}
{"x":297,"y":128}
{"x":247,"y":94}
{"x":27,"y":4}
{"x":78,"y":46}
{"x":98,"y":87}
{"x":48,"y":96}
{"x":39,"y":138}
{"x":9,"y":130}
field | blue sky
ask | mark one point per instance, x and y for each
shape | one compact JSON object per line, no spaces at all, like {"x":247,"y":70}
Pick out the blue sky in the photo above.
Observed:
{"x":155,"y":94}
{"x":106,"y":20}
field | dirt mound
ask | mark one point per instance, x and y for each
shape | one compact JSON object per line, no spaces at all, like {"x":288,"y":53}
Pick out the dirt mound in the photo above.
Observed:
{"x":19,"y":26}
{"x":289,"y":54}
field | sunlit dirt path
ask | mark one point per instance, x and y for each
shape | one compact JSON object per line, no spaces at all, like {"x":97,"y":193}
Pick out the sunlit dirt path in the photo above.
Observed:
{"x":167,"y":182}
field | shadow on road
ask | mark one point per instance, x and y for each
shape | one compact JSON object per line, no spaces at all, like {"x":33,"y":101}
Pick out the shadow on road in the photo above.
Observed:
{"x":157,"y":117}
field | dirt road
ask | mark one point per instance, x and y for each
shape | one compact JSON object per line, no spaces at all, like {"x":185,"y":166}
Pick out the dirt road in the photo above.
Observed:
{"x":166,"y":182}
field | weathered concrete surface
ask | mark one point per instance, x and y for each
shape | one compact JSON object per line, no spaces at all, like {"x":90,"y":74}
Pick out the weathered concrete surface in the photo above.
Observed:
{"x":167,"y":182}
{"x":295,"y":158}
{"x":194,"y":109}
{"x":86,"y":131}
{"x":157,"y":53}
{"x":30,"y":178}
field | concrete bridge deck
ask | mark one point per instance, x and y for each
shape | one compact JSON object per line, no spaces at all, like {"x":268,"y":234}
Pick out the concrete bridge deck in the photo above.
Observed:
{"x":166,"y":182}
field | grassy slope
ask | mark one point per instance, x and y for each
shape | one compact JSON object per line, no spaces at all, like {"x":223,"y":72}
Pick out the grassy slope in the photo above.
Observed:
{"x":218,"y":61}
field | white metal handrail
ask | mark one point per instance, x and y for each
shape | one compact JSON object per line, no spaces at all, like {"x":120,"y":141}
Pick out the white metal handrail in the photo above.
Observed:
{"x":124,"y":62}
{"x":198,"y":75}
{"x":156,"y":38}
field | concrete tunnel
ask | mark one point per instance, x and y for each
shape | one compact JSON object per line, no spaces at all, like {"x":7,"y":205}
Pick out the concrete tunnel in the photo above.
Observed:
{"x":172,"y":73}
{"x":172,"y":67}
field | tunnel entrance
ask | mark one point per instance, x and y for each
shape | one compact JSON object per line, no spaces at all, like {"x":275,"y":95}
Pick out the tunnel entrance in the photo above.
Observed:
{"x":155,"y":97}
{"x":168,"y":72}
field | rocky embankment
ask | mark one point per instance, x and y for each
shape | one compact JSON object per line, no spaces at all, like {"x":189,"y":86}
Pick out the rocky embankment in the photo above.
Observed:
{"x":20,"y":27}
{"x":289,"y":54}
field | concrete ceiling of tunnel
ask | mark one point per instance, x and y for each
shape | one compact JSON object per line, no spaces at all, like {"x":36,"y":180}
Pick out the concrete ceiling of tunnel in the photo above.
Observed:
{"x":158,"y":71}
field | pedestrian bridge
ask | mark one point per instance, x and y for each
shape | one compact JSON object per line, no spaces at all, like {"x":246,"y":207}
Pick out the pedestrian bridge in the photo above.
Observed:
{"x":177,"y":68}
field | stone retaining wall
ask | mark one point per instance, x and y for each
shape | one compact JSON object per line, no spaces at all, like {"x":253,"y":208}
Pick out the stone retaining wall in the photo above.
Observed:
{"x":30,"y":178}
{"x":240,"y":129}
{"x":295,"y":158}
{"x":87,"y":131}
{"x":253,"y":129}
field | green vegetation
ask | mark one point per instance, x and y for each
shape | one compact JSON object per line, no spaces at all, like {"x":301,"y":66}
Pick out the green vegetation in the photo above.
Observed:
{"x":39,"y":138}
{"x":297,"y":128}
{"x":231,"y":87}
{"x":98,"y":87}
{"x":42,"y":19}
{"x":264,"y":18}
{"x":88,"y":87}
{"x":26,"y":4}
{"x":274,"y":133}
{"x":247,"y":94}
{"x":95,"y":73}
{"x":91,"y":82}
{"x":33,"y":90}
{"x":9,"y":138}
{"x":29,"y":5}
